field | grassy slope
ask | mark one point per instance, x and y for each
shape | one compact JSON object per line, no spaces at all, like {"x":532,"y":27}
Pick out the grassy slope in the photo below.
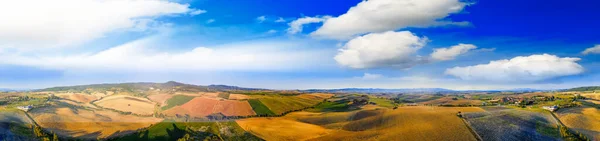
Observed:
{"x":259,"y":108}
{"x":331,"y":106}
{"x":169,"y":130}
{"x":177,"y":101}
{"x":280,"y":104}
{"x":382,"y":102}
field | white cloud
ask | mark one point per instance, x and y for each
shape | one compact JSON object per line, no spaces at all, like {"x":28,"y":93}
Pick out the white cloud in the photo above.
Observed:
{"x":210,"y":21}
{"x":261,"y":19}
{"x":297,"y":25}
{"x":592,"y":50}
{"x":443,"y":54}
{"x":520,"y":69}
{"x":377,"y":50}
{"x":272,"y":31}
{"x":141,"y":56}
{"x":386,"y":15}
{"x":56,"y":23}
{"x":371,"y":76}
{"x":280,"y":20}
{"x":197,"y":12}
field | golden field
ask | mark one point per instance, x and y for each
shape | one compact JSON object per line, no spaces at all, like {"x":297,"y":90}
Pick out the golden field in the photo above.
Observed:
{"x":88,"y":124}
{"x":404,"y":123}
{"x":127,"y":104}
{"x":582,"y":119}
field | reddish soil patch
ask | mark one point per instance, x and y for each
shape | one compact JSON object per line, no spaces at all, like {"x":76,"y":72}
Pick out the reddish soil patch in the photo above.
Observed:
{"x":234,"y":108}
{"x":238,"y":97}
{"x":202,"y":106}
{"x":160,"y":98}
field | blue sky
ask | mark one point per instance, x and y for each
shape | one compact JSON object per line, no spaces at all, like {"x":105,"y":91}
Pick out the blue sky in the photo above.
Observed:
{"x":293,"y":44}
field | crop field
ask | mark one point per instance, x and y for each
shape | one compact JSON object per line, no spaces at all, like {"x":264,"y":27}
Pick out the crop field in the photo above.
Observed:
{"x":450,"y":101}
{"x":127,"y":104}
{"x":201,"y":106}
{"x":259,"y":107}
{"x":595,"y":96}
{"x":513,"y":124}
{"x":282,"y":129}
{"x":404,"y":123}
{"x":87,"y":124}
{"x":83,"y":98}
{"x":177,"y":100}
{"x":224,"y":95}
{"x":233,"y":108}
{"x":382,"y":102}
{"x":280,"y":104}
{"x":416,"y":98}
{"x":238,"y":97}
{"x":315,"y":96}
{"x":585,"y":120}
{"x":160,"y":98}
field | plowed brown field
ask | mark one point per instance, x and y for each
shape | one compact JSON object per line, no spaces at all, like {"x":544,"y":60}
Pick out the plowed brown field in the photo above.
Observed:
{"x":202,"y":106}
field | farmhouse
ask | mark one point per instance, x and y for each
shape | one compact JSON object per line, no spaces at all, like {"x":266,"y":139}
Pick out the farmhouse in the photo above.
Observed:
{"x":551,"y":108}
{"x":25,"y":108}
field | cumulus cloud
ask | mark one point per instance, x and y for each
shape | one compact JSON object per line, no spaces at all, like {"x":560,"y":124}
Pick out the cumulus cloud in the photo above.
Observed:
{"x":592,"y":50}
{"x":197,"y":12}
{"x":297,"y":25}
{"x":261,"y":19}
{"x":382,"y":50}
{"x":371,"y":76}
{"x":280,"y":20}
{"x":386,"y":15}
{"x":142,"y":56}
{"x":520,"y":69}
{"x":32,"y":23}
{"x":443,"y":54}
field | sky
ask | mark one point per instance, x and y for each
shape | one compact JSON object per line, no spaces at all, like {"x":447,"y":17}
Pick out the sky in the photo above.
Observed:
{"x":302,"y":44}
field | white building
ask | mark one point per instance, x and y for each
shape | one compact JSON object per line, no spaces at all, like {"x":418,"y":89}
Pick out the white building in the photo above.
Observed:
{"x":25,"y":108}
{"x":551,"y":108}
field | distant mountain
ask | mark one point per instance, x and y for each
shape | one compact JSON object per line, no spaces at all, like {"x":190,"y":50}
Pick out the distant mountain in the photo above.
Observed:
{"x":5,"y":90}
{"x":232,"y":88}
{"x":144,"y":86}
{"x":378,"y":90}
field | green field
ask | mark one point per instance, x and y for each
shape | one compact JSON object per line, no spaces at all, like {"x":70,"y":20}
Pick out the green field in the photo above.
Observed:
{"x":224,"y":95}
{"x":281,"y":104}
{"x":382,"y":102}
{"x":169,"y":130}
{"x":329,"y":106}
{"x":259,"y":108}
{"x":177,"y":101}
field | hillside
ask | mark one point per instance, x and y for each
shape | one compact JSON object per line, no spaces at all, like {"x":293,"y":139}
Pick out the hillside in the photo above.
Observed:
{"x":588,"y":88}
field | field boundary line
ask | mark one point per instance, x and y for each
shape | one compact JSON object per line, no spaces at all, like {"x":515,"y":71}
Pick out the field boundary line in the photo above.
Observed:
{"x":477,"y":137}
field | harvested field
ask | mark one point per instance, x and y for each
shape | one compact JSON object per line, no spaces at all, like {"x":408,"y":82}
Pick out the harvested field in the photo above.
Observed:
{"x":315,"y":96}
{"x":160,"y":98}
{"x":127,"y":104}
{"x":87,"y":124}
{"x":450,"y":101}
{"x":595,"y":96}
{"x":83,"y":98}
{"x":238,"y":97}
{"x":282,"y":129}
{"x":585,"y":120}
{"x":234,"y":108}
{"x":498,"y":124}
{"x":405,"y":123}
{"x":201,"y":106}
